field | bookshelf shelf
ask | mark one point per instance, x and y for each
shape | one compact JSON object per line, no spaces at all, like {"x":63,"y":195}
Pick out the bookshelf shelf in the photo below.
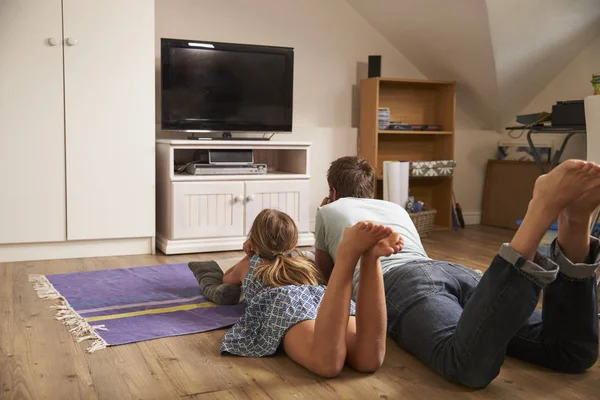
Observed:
{"x":417,"y":102}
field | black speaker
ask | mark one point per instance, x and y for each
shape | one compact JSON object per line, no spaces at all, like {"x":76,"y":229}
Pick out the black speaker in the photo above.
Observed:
{"x":374,"y":66}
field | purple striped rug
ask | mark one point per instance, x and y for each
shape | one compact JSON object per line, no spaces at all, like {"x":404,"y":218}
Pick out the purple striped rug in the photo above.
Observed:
{"x":119,"y":306}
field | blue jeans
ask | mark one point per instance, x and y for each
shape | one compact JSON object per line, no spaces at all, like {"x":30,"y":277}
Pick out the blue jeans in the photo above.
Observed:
{"x":462,"y":324}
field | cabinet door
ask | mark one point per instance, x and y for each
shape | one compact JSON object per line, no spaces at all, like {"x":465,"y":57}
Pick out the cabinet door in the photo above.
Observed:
{"x":207,"y":209}
{"x":109,"y":114}
{"x":32,"y":152}
{"x":291,"y":197}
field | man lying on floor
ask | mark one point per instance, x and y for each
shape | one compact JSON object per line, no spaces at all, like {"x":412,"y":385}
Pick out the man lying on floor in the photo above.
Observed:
{"x":462,"y":324}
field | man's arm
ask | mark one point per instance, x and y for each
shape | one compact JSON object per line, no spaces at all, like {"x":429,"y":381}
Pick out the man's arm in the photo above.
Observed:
{"x":324,"y":263}
{"x":323,"y":260}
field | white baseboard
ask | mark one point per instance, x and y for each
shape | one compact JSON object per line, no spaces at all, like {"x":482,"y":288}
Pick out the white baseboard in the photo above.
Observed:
{"x":211,"y":245}
{"x":75,"y":249}
{"x":472,"y":218}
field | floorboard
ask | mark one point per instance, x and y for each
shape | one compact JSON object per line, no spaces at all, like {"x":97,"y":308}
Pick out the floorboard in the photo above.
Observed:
{"x":40,"y":360}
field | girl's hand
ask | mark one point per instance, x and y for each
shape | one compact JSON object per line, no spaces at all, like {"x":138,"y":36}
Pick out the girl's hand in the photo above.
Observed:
{"x":249,"y":248}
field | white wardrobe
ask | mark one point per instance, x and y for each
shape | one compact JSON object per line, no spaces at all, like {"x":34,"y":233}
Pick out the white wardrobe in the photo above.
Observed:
{"x":77,"y":128}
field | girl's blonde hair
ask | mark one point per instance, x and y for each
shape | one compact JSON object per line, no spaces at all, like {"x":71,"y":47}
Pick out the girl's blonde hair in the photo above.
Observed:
{"x":275,"y":238}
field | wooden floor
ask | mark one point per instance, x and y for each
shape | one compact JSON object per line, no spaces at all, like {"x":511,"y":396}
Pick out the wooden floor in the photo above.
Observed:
{"x":40,"y":360}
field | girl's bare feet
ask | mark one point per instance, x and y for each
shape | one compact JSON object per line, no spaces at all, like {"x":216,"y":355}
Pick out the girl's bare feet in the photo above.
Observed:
{"x":387,"y":246}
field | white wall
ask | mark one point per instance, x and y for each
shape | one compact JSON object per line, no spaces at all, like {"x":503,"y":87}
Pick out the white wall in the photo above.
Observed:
{"x":572,"y":83}
{"x":452,"y":43}
{"x":473,"y":148}
{"x":533,"y":41}
{"x":446,"y":40}
{"x":330,"y":40}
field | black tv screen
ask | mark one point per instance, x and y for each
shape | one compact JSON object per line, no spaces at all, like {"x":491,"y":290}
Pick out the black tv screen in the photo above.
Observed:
{"x":226,"y":87}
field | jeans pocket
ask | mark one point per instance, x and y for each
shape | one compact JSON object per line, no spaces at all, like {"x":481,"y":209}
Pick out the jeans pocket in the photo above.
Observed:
{"x":406,"y":285}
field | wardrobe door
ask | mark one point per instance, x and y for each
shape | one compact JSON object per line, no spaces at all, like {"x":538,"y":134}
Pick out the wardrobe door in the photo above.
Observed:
{"x":110,"y":125}
{"x":32,"y":146}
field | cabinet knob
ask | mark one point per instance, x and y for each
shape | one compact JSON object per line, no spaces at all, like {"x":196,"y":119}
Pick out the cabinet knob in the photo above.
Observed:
{"x":72,"y":42}
{"x":238,"y":199}
{"x":250,"y":197}
{"x":53,"y":41}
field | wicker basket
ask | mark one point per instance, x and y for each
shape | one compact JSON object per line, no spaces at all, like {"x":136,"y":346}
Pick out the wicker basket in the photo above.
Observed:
{"x":424,"y":222}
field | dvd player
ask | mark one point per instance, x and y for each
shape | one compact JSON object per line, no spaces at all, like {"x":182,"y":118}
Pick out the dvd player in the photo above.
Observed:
{"x":224,"y":157}
{"x":235,"y":169}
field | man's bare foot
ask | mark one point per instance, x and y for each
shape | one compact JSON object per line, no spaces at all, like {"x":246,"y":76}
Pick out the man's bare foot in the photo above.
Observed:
{"x":574,"y":225}
{"x":387,"y":246}
{"x":551,"y":194}
{"x":582,"y":208}
{"x":564,"y":184}
{"x":361,"y":237}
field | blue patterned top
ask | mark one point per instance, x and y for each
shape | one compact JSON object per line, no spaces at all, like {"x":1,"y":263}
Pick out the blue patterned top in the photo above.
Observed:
{"x":270,"y":313}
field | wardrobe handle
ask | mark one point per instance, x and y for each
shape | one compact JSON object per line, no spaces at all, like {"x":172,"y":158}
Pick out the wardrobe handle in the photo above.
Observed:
{"x":238,"y":199}
{"x":72,"y":42}
{"x":250,"y":197}
{"x":53,"y":41}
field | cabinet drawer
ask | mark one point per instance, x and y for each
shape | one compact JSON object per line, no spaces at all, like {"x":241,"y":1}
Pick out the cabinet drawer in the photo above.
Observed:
{"x":207,"y":209}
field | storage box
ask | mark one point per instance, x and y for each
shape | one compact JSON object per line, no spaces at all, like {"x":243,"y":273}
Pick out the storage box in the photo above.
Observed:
{"x":432,"y":168}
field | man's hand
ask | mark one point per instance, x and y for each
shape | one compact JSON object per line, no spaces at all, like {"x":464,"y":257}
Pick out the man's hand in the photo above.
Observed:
{"x":325,"y":201}
{"x":249,"y":248}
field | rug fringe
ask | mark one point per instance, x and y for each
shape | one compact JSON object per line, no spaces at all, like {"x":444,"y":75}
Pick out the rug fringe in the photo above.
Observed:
{"x":79,"y":327}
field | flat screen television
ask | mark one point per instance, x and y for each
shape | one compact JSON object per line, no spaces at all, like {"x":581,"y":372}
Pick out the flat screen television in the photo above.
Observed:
{"x":226,"y":87}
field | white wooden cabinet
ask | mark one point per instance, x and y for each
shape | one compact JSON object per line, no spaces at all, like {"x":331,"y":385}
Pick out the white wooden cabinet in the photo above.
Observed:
{"x":77,"y":134}
{"x":215,"y":212}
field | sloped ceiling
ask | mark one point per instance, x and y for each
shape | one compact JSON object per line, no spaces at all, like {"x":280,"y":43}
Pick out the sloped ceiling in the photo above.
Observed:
{"x":502,"y":53}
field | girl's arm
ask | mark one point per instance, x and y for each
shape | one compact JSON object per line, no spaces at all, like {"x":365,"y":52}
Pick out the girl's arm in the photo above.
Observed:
{"x":236,"y":274}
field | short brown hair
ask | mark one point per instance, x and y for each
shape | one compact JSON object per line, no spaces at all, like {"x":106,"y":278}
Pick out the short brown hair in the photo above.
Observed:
{"x":351,"y":176}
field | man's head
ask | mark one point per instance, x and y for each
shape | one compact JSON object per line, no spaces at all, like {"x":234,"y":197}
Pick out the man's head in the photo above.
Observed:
{"x":350,"y":176}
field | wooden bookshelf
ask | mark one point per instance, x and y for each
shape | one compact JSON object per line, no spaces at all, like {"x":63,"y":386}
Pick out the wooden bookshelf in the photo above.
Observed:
{"x":415,"y":102}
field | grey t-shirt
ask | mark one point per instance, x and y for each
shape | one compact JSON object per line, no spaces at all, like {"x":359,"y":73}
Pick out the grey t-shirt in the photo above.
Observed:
{"x":333,"y":218}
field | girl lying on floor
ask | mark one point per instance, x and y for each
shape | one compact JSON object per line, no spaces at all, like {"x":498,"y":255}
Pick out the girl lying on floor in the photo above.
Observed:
{"x":288,"y":306}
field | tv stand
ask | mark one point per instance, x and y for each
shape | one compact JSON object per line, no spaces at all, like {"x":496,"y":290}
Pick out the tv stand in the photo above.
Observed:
{"x":208,"y":213}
